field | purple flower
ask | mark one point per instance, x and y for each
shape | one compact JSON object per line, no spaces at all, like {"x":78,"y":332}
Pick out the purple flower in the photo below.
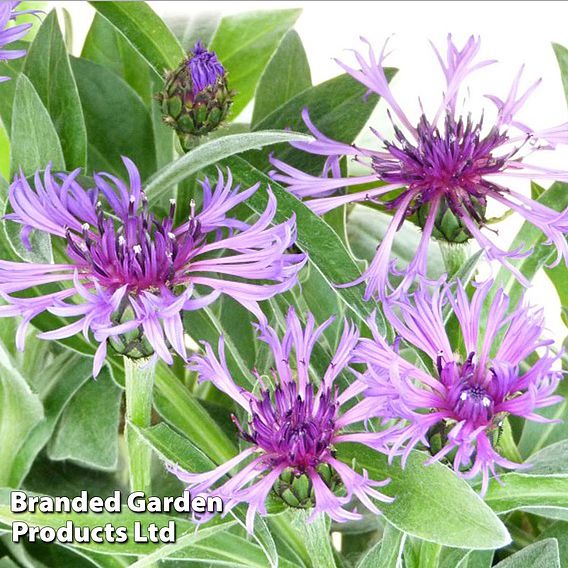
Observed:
{"x":204,"y":68}
{"x":8,"y":35}
{"x":130,"y":275}
{"x":459,"y":404}
{"x":442,"y":170}
{"x":292,"y":428}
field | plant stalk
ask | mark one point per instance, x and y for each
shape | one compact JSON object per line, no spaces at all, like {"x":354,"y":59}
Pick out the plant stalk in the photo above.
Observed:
{"x":316,"y":537}
{"x":454,"y":256}
{"x":139,"y":383}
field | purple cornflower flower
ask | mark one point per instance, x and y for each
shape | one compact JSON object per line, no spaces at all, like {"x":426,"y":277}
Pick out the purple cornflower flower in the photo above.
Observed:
{"x":11,"y":34}
{"x":470,"y":389}
{"x":204,"y":68}
{"x":443,"y":170}
{"x":131,"y":275}
{"x":292,"y":428}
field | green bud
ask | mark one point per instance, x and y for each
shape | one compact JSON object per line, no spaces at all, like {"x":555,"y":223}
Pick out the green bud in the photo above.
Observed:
{"x":447,"y":226}
{"x":190,"y":112}
{"x":133,"y":343}
{"x":296,"y":489}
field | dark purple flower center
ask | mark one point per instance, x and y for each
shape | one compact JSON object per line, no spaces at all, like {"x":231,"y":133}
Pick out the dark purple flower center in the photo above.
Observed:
{"x":474,"y":405}
{"x":449,"y":162}
{"x":469,"y":395}
{"x":204,"y":68}
{"x":137,"y":251}
{"x":293,"y":431}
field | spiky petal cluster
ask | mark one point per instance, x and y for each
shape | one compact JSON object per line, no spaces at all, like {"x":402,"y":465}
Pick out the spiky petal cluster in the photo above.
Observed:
{"x":204,"y":68}
{"x":445,"y":169}
{"x":460,"y":404}
{"x":293,"y":426}
{"x":10,"y":34}
{"x":130,"y":275}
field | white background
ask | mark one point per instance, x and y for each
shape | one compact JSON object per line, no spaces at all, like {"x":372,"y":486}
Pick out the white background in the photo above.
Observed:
{"x":514,"y":33}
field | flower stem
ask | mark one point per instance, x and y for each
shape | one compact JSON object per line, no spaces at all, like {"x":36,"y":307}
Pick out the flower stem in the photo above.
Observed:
{"x":139,"y":382}
{"x":454,"y":256}
{"x":316,"y":537}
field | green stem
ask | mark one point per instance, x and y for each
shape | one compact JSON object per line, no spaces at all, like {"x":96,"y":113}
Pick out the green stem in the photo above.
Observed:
{"x":281,"y":524}
{"x":454,"y":256}
{"x":507,"y":444}
{"x":316,"y":537}
{"x":139,"y":382}
{"x":429,"y":554}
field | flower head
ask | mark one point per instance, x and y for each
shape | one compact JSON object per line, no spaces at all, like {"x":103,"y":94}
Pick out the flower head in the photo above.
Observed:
{"x":458,"y":406}
{"x":442,"y":170}
{"x":292,"y":428}
{"x":196,"y":98}
{"x":10,"y":34}
{"x":130,"y":275}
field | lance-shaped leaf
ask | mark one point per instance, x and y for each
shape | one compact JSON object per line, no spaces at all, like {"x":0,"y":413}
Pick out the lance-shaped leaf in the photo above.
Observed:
{"x":145,"y":31}
{"x":210,"y":153}
{"x":47,"y":66}
{"x":35,"y":142}
{"x":244,"y":44}
{"x":431,"y":502}
{"x":326,"y":251}
{"x":286,"y":75}
{"x":543,"y":554}
{"x":118,"y":121}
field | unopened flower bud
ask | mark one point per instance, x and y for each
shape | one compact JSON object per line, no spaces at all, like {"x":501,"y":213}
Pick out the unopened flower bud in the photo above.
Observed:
{"x":448,"y":226}
{"x":196,"y":98}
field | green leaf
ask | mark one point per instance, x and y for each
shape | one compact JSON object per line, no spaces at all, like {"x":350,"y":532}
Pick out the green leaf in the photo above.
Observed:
{"x":479,"y":559}
{"x":387,"y":553}
{"x":556,"y":197}
{"x":454,"y":558}
{"x":11,"y":240}
{"x":244,"y":44}
{"x":431,"y":502}
{"x":558,"y":531}
{"x":326,"y":251}
{"x":550,"y":460}
{"x":543,"y":554}
{"x":175,"y":449}
{"x":20,"y":411}
{"x":4,"y":151}
{"x":559,"y":277}
{"x":286,"y":75}
{"x":180,"y":408}
{"x":107,"y":47}
{"x":211,"y":153}
{"x":87,"y":432}
{"x":227,"y":549}
{"x":34,"y":139}
{"x":205,"y":325}
{"x":189,"y":28}
{"x":548,"y":493}
{"x":31,"y":18}
{"x":118,"y":122}
{"x":562,"y":57}
{"x":10,"y":68}
{"x":47,"y":67}
{"x":337,"y":107}
{"x":366,"y":228}
{"x":60,"y":381}
{"x":316,"y":537}
{"x":145,"y":31}
{"x":536,"y":435}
